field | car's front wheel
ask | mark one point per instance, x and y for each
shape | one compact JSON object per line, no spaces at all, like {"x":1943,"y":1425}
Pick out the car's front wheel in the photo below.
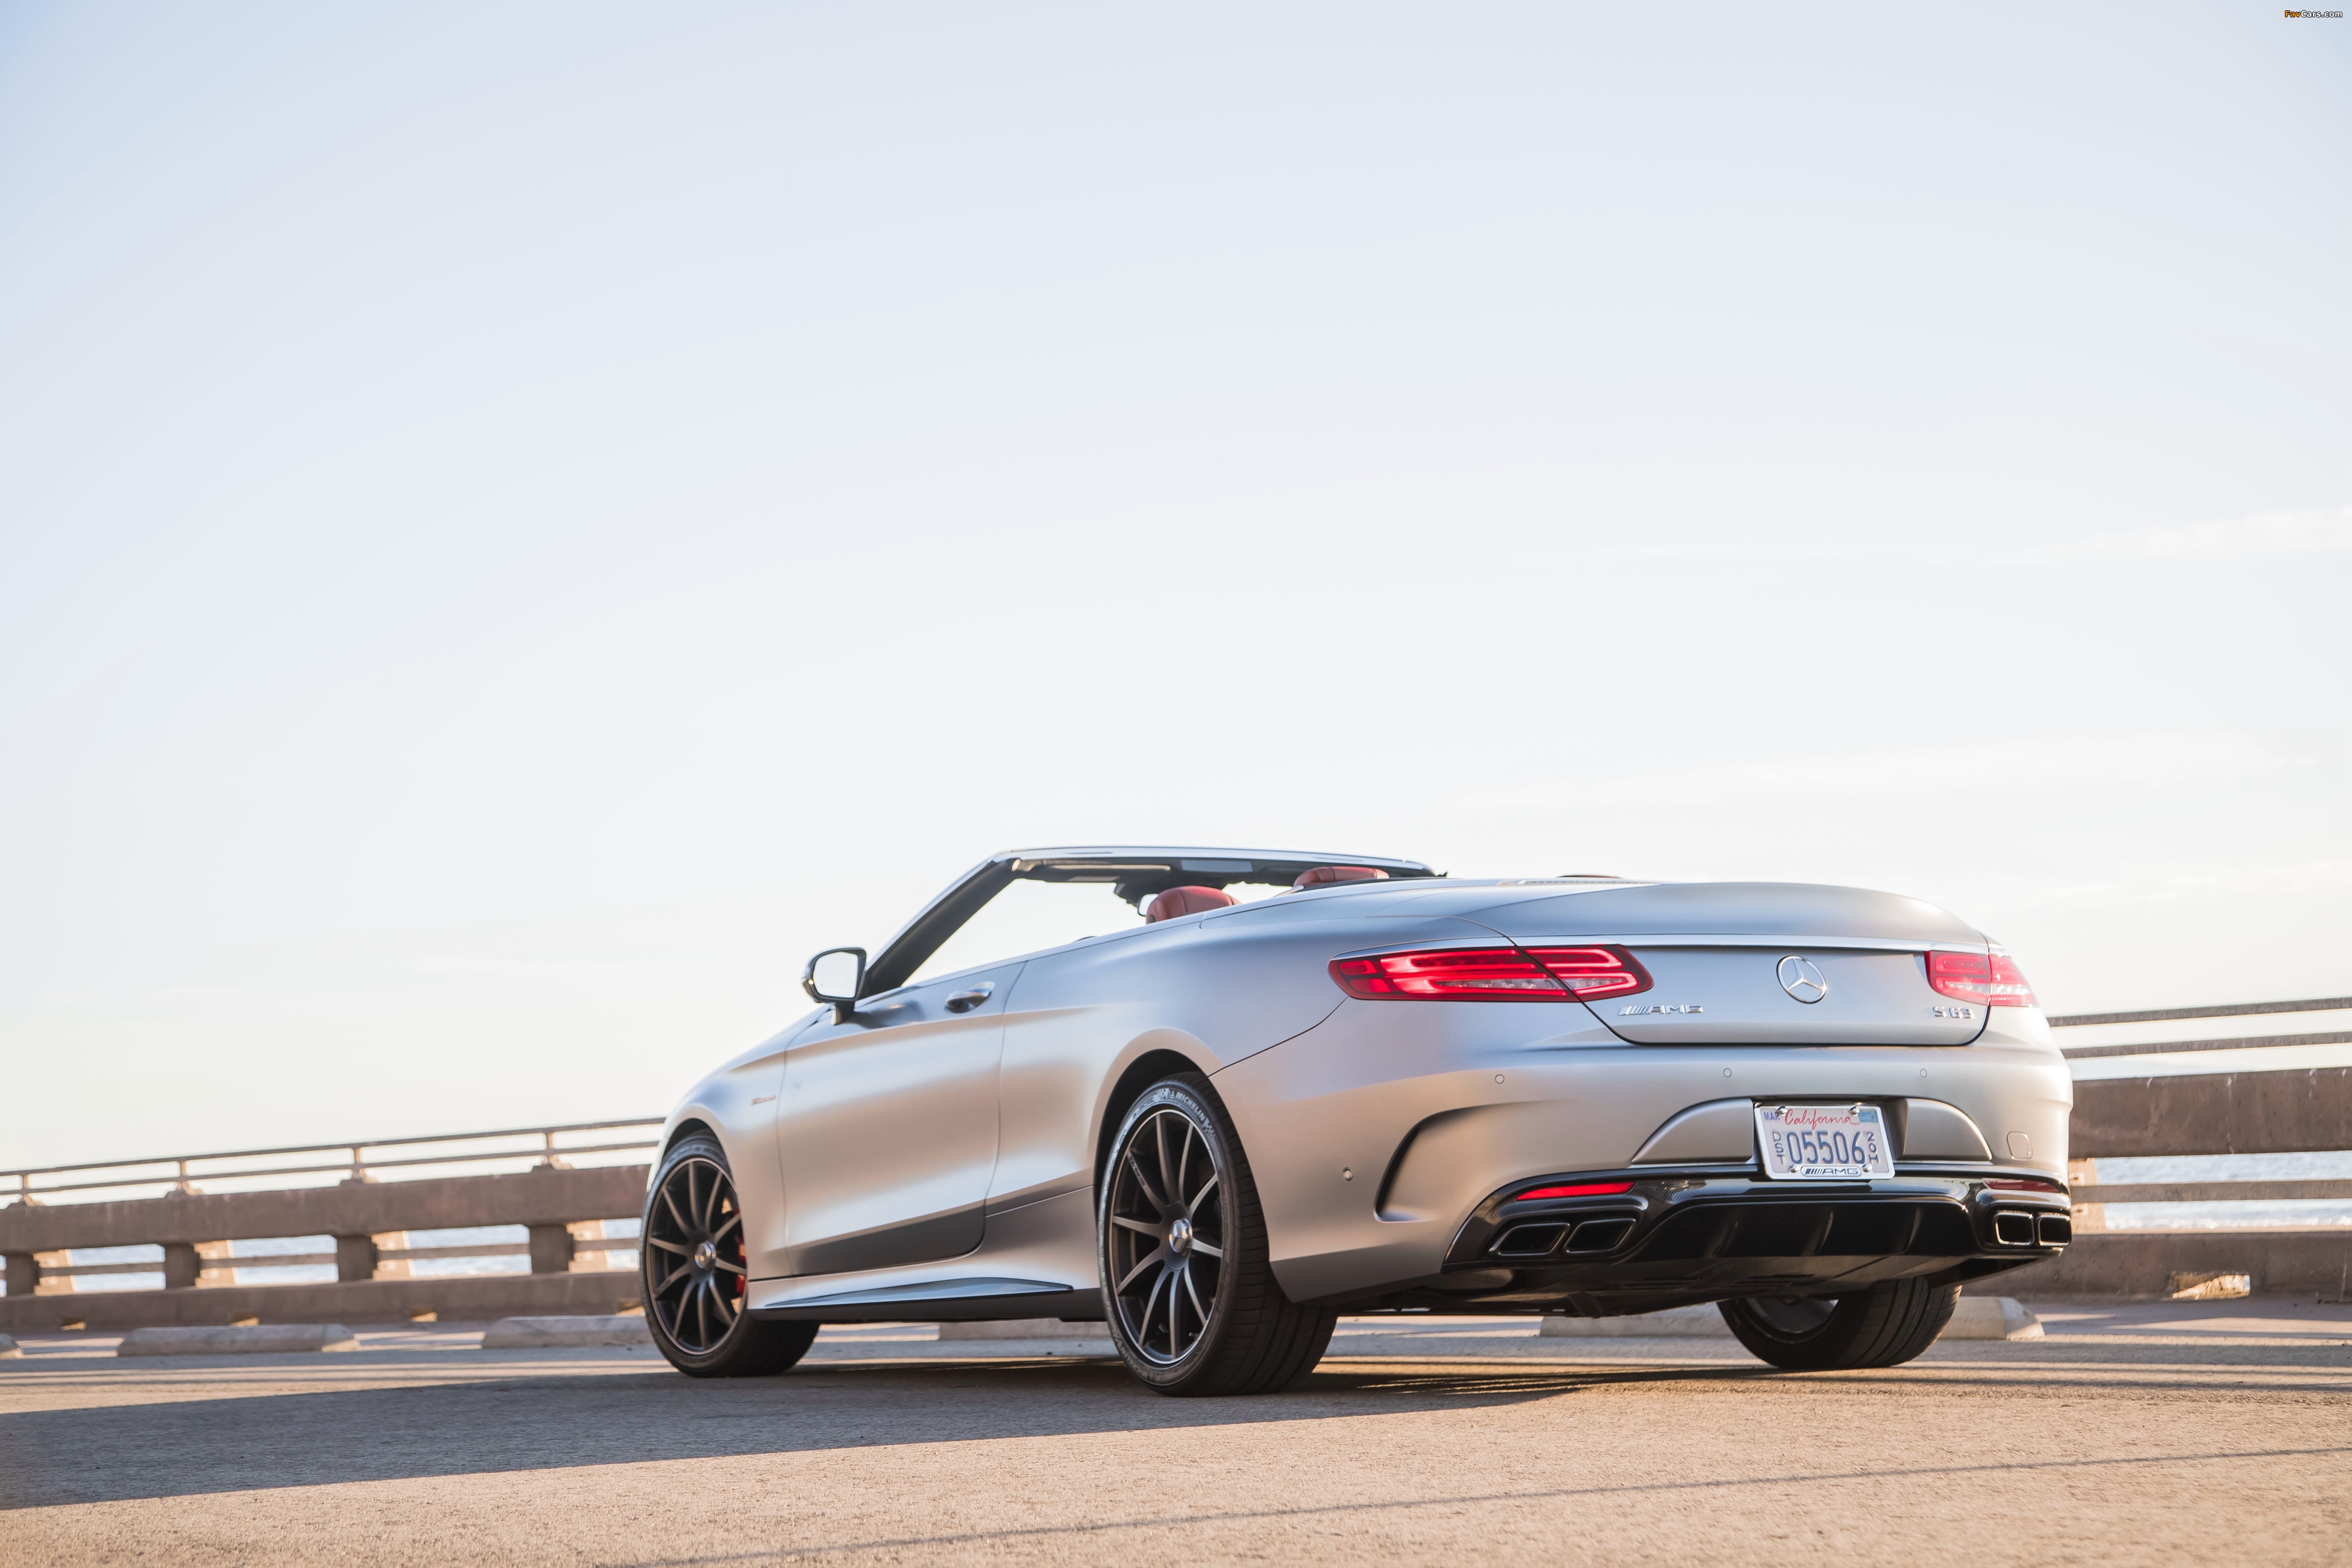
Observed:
{"x":1885,"y":1326}
{"x":1194,"y":1304}
{"x":692,"y":1260}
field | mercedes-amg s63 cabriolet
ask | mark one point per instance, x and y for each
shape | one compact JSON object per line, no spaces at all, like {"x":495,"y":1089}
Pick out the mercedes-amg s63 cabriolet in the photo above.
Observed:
{"x":1215,"y":1098}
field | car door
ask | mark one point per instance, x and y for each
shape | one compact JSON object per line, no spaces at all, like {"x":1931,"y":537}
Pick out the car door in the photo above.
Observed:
{"x":888,"y":1127}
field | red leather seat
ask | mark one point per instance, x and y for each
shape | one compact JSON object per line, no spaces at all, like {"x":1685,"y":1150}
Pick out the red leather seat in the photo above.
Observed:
{"x":1325,"y":875}
{"x":1179,"y":901}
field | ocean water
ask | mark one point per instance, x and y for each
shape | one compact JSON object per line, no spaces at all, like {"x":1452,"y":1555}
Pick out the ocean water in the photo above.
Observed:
{"x":2333,"y":1166}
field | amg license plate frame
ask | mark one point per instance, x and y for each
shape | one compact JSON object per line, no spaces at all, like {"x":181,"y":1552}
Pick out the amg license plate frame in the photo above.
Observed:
{"x":1824,"y":1143}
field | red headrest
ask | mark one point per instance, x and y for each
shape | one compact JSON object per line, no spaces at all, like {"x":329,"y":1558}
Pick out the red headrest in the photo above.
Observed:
{"x":1324,"y":875}
{"x":1179,"y":901}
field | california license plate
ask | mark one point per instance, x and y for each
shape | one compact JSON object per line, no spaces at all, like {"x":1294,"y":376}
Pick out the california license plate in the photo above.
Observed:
{"x":1824,"y":1143}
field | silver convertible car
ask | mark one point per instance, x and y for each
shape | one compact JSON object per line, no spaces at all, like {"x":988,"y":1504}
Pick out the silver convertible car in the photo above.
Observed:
{"x":1217,"y":1097}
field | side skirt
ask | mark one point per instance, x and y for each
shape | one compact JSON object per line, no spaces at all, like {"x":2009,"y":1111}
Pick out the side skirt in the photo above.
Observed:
{"x":943,"y":1301}
{"x":1035,"y":1261}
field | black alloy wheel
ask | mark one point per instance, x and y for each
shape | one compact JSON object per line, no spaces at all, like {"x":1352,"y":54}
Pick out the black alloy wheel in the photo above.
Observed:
{"x":697,"y":1274}
{"x":1885,"y":1326}
{"x":1167,"y":1251}
{"x":1192,"y":1302}
{"x":694,"y":1255}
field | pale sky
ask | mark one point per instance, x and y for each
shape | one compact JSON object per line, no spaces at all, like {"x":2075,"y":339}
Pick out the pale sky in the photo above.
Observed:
{"x":518,"y":524}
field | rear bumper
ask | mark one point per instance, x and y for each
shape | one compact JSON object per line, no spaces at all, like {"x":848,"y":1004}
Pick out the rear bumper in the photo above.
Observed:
{"x":1677,"y":1238}
{"x":1375,"y":1135}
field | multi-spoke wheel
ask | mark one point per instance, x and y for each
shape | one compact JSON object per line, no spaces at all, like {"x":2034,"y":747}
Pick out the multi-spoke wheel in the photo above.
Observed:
{"x":1166,"y":1250}
{"x":697,"y":1273}
{"x":1192,"y":1302}
{"x":1884,"y":1325}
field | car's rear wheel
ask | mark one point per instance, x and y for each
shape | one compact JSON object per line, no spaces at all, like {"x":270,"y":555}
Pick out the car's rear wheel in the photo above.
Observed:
{"x":692,"y":1260}
{"x":1194,"y":1304}
{"x":1885,"y":1326}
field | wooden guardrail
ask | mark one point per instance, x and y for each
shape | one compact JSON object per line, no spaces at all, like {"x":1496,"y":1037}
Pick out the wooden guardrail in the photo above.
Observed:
{"x":2185,"y":1015}
{"x":2203,"y":1113}
{"x":2267,"y":1112}
{"x":2273,"y":1112}
{"x":563,"y":1210}
{"x":363,"y":1159}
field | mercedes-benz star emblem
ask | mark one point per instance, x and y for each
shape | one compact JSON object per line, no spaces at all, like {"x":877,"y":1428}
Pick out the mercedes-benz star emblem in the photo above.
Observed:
{"x":1802,"y":978}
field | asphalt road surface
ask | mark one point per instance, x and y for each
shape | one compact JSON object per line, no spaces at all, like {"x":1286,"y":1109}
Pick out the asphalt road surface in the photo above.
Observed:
{"x":2221,"y":1433}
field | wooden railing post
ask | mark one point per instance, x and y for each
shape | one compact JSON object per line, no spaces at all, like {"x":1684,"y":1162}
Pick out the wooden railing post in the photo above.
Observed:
{"x":24,"y":1274}
{"x":182,"y":1266}
{"x":550,"y":1248}
{"x":355,"y":1258}
{"x":551,"y":1245}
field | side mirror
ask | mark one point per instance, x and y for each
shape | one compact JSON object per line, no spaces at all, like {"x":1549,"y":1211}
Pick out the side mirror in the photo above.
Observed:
{"x":836,"y":976}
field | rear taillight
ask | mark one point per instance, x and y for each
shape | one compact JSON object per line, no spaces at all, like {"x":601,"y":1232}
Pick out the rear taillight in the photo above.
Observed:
{"x":1991,"y":978}
{"x":1492,"y":975}
{"x":1590,"y":972}
{"x":1964,"y":977}
{"x":1482,"y":974}
{"x":2010,"y":986}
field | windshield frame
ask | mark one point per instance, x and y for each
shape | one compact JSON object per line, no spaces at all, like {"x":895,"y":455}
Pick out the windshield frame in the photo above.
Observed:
{"x":1138,"y":874}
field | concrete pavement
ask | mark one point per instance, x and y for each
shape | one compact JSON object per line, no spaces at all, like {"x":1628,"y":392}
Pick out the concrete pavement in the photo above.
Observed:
{"x":2222,"y":1432}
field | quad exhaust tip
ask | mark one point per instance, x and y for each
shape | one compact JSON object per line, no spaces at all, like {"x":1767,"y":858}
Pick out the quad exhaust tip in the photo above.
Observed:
{"x":1529,"y":1240}
{"x":2012,"y":1227}
{"x":1541,"y":1240}
{"x":1600,"y":1235}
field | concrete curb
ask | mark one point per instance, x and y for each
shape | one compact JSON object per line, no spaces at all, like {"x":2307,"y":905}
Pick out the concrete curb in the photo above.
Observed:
{"x":1991,"y":1317}
{"x":565,"y":1334}
{"x":249,"y":1339}
{"x":1975,"y":1317}
{"x":1026,"y":1328}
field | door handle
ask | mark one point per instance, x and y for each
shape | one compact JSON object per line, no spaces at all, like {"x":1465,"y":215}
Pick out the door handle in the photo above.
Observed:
{"x":963,"y":1001}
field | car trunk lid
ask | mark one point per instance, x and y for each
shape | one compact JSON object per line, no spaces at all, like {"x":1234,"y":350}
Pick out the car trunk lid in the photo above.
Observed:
{"x":1762,"y":963}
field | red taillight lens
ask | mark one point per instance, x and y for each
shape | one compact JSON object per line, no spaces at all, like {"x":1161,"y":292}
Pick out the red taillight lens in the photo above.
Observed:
{"x":1582,"y":1189}
{"x":1965,"y":977}
{"x":1481,"y":974}
{"x":1493,"y":974}
{"x":2022,"y":1184}
{"x":1589,"y":972}
{"x":1991,"y":978}
{"x":2010,"y":989}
